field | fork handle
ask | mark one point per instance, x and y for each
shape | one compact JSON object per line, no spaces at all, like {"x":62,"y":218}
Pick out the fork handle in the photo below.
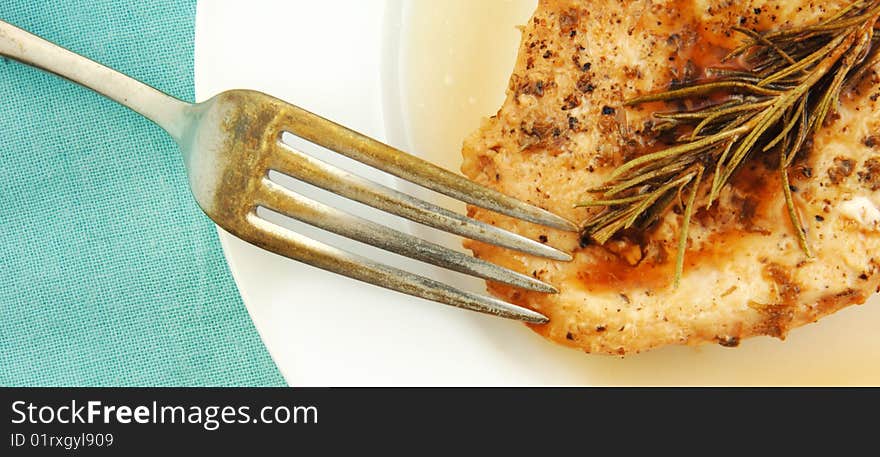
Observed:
{"x":164,"y":110}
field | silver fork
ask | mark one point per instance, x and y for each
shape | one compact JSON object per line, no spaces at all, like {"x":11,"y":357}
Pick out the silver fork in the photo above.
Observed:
{"x":232,"y":141}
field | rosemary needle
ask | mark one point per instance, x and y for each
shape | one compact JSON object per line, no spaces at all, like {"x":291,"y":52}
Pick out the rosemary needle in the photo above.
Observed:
{"x":790,"y":83}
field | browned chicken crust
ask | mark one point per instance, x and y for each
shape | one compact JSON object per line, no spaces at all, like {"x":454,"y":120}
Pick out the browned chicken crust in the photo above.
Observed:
{"x":563,"y":129}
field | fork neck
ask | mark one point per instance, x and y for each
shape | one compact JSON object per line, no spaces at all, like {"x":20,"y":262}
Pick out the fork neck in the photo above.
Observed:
{"x":164,"y":110}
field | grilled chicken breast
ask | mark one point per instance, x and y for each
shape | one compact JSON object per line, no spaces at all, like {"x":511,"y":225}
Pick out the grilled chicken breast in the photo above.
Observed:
{"x":564,"y":128}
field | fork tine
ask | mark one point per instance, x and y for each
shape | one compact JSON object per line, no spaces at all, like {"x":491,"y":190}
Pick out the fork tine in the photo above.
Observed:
{"x":301,"y":166}
{"x":281,"y":199}
{"x":295,"y":246}
{"x":376,"y":154}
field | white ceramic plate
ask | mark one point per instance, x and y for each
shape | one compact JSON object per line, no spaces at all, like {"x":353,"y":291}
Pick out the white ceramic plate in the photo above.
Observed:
{"x":420,"y":75}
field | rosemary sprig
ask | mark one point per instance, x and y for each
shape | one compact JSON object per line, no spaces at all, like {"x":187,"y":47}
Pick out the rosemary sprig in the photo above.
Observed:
{"x":790,"y":82}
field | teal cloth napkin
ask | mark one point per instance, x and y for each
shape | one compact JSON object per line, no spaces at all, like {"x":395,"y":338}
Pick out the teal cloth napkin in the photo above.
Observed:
{"x":111,"y":276}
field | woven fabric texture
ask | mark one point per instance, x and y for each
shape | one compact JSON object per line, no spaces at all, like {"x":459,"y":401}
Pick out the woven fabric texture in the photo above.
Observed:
{"x":109,"y":273}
